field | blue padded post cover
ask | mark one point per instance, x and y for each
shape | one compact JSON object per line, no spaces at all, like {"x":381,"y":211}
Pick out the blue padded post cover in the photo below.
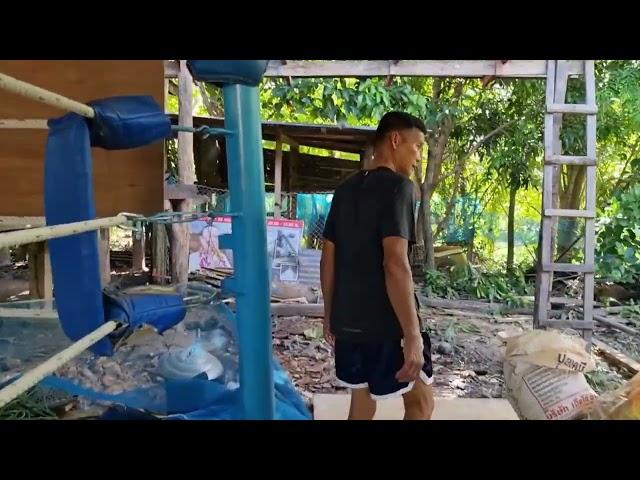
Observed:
{"x":161,"y":311}
{"x":75,"y":260}
{"x":242,"y":72}
{"x":128,"y":122}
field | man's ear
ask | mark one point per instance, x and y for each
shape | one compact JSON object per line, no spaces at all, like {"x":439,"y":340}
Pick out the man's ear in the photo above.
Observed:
{"x":395,"y":139}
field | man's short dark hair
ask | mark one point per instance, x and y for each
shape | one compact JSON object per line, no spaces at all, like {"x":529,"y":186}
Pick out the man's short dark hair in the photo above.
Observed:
{"x":395,"y":121}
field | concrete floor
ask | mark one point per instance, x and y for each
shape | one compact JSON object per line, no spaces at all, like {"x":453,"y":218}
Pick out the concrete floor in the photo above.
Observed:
{"x":336,"y":407}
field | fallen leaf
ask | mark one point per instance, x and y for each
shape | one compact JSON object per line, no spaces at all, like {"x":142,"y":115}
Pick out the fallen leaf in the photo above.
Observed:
{"x":314,"y":332}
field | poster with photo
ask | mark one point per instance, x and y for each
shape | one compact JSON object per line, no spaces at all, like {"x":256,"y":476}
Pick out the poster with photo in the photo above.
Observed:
{"x":284,"y":238}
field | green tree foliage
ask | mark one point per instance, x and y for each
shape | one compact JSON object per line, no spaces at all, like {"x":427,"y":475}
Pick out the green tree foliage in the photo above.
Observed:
{"x":486,"y":143}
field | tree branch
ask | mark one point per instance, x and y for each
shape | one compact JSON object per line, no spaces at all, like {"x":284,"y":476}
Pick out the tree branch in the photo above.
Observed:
{"x":632,"y":154}
{"x":458,"y":172}
{"x":208,"y":103}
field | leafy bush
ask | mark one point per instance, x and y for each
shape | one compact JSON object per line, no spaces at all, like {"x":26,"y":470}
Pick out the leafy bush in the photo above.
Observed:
{"x":618,"y":243}
{"x":492,"y":285}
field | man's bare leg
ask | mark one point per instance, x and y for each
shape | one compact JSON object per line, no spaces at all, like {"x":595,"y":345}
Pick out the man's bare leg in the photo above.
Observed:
{"x":419,"y":402}
{"x":363,"y":407}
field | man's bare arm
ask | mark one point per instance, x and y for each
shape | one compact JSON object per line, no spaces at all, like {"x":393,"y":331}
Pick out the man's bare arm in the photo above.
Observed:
{"x":327,"y":282}
{"x":399,"y":282}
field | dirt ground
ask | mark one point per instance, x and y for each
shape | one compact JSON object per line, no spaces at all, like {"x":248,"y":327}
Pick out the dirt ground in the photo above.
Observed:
{"x":467,"y":352}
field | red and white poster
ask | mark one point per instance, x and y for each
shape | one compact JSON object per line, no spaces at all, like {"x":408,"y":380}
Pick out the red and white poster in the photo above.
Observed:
{"x":284,"y":238}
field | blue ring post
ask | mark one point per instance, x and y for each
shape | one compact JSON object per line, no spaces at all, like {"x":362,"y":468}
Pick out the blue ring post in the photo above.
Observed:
{"x":249,"y":239}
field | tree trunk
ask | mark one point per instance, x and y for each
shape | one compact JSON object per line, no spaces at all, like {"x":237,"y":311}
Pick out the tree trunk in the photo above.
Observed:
{"x":570,"y":198}
{"x":428,"y":232}
{"x":510,"y":228}
{"x":186,"y":174}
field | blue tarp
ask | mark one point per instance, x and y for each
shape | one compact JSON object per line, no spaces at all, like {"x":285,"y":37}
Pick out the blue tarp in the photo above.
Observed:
{"x":196,"y":399}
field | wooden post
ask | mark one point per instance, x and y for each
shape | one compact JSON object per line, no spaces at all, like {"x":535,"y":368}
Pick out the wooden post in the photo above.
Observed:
{"x":105,"y":256}
{"x":41,"y":280}
{"x":138,"y":252}
{"x":277,"y":182}
{"x":160,"y":247}
{"x":186,"y":175}
{"x":293,"y":199}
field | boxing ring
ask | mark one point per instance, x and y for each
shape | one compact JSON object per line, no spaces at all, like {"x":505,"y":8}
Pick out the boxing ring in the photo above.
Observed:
{"x":99,"y":320}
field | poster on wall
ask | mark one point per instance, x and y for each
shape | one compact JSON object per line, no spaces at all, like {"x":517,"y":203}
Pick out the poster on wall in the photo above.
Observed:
{"x":284,"y":238}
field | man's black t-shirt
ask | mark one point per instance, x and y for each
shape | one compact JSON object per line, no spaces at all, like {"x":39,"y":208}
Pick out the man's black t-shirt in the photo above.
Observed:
{"x":367,"y":207}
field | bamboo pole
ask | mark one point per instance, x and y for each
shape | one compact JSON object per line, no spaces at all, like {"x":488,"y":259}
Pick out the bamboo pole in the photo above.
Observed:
{"x":36,"y":374}
{"x":40,"y":234}
{"x":45,"y":96}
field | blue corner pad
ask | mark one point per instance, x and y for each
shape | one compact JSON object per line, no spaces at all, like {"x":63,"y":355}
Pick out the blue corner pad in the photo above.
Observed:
{"x":161,"y":311}
{"x":243,"y":72}
{"x":128,"y":122}
{"x":75,"y":259}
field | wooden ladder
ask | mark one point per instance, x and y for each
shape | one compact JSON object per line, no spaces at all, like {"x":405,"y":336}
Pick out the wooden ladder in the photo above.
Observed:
{"x":557,"y":79}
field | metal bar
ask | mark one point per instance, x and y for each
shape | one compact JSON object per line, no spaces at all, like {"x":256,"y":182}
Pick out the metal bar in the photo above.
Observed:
{"x":33,"y":376}
{"x":44,"y":96}
{"x":246,"y":185}
{"x":40,"y":234}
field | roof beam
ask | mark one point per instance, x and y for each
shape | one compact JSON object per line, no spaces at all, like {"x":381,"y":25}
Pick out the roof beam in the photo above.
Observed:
{"x":407,"y":68}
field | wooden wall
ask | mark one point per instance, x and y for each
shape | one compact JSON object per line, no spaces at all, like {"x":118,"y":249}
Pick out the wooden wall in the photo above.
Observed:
{"x":127,"y":180}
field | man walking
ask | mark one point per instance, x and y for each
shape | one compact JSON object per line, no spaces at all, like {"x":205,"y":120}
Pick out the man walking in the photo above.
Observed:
{"x":371,"y":317}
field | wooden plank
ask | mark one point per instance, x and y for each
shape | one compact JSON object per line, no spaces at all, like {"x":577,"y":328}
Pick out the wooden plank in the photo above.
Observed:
{"x":40,"y":277}
{"x":567,"y":213}
{"x":138,"y":252}
{"x":105,"y":256}
{"x":575,"y":324}
{"x":616,"y":325}
{"x":569,"y":160}
{"x":277,"y":183}
{"x":616,"y":358}
{"x":572,"y":108}
{"x":473,"y":305}
{"x":288,"y":140}
{"x":591,"y":188}
{"x":124,"y":180}
{"x":591,"y":136}
{"x":590,"y":82}
{"x":568,"y":267}
{"x":416,"y":68}
{"x":160,"y":248}
{"x":27,"y":124}
{"x":413,"y":68}
{"x":44,"y":314}
{"x":19,"y":223}
{"x":292,"y":310}
{"x":186,"y":172}
{"x":550,"y":86}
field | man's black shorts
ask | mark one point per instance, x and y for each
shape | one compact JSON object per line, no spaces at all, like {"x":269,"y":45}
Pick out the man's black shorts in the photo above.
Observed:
{"x":374,"y":365}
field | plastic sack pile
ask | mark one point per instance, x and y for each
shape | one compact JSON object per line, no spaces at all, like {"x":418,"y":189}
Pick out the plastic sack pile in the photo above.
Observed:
{"x":544,"y":375}
{"x":189,"y":372}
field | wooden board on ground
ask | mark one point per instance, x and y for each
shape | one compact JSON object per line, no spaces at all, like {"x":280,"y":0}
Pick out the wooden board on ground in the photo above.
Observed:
{"x":124,"y":180}
{"x":616,"y":358}
{"x":336,"y":407}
